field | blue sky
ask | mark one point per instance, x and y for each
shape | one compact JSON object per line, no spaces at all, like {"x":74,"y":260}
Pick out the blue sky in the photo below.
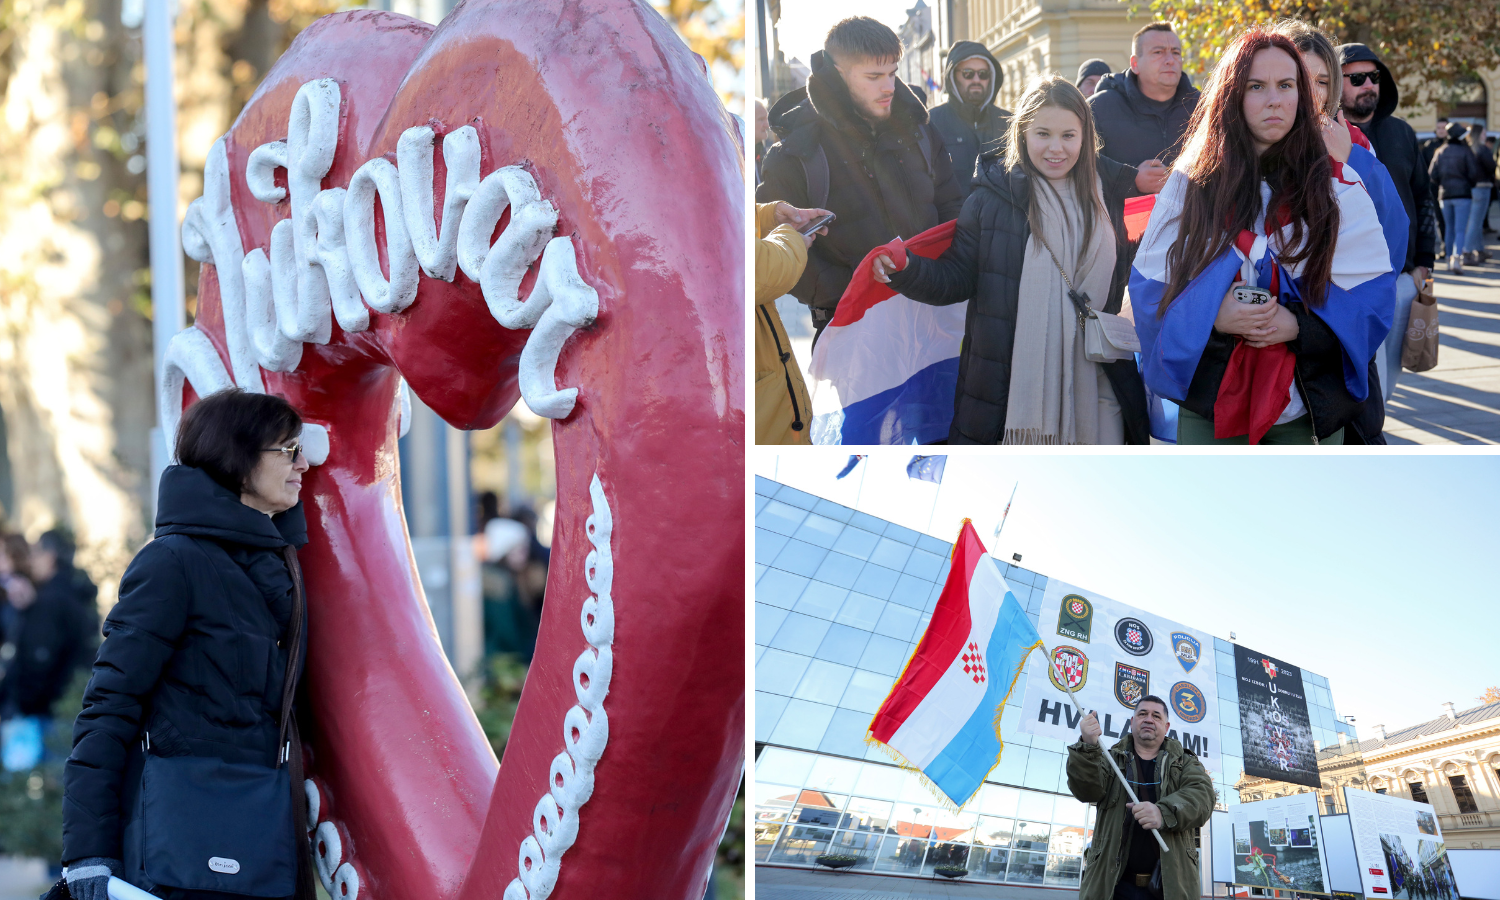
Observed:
{"x":1381,"y":573}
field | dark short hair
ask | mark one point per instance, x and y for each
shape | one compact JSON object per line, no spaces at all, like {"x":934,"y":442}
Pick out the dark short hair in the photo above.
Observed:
{"x":224,"y":433}
{"x":861,"y":37}
{"x":1135,"y":39}
{"x":1152,"y":698}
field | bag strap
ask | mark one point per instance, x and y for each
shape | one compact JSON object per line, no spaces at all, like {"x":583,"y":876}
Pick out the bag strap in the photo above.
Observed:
{"x":1084,"y":310}
{"x":815,"y":172}
{"x":296,"y":639}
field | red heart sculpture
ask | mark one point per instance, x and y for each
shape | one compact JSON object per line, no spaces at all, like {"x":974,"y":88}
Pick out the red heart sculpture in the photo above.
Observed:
{"x":582,"y":140}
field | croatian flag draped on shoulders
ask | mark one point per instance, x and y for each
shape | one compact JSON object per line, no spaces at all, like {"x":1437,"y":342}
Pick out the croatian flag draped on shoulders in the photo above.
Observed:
{"x":885,"y":369}
{"x":1359,"y":305}
{"x":942,"y":717}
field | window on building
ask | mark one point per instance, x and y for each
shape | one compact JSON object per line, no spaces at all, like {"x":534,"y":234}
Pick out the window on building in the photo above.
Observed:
{"x":1330,"y":808}
{"x":1462,"y":794}
{"x":1380,"y":790}
{"x":1418,"y":793}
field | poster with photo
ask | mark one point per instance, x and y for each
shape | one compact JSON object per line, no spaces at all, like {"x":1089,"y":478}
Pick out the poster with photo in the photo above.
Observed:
{"x":1275,"y":731}
{"x":1278,"y":844}
{"x":1400,"y":848}
{"x":1112,"y":655}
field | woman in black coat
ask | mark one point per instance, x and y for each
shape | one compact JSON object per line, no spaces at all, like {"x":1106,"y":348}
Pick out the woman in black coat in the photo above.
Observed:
{"x":986,"y":265}
{"x":201,"y":656}
{"x":1454,"y":172}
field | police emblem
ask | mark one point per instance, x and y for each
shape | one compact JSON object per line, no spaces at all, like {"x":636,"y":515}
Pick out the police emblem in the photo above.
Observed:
{"x":1185,"y":647}
{"x":1131,"y":684}
{"x":1133,"y":636}
{"x":1068,"y":668}
{"x":1075,"y":618}
{"x":1188,"y":702}
{"x":1269,"y":666}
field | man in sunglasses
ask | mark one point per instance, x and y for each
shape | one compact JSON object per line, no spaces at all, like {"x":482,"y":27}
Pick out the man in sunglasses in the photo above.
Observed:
{"x":1370,"y":98}
{"x":970,"y":122}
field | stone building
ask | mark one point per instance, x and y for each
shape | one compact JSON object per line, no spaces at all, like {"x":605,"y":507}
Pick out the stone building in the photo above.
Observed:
{"x":1452,"y":762}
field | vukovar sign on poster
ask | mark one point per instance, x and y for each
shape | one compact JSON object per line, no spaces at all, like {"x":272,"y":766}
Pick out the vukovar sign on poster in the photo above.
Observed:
{"x":1112,"y":655}
{"x":1274,"y":726}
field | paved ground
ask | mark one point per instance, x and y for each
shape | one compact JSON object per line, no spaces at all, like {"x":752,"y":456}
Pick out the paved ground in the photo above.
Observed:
{"x":22,"y":879}
{"x":1458,"y":402}
{"x":774,"y":883}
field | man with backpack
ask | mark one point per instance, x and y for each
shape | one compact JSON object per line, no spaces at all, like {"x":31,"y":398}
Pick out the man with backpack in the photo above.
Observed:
{"x":857,"y":141}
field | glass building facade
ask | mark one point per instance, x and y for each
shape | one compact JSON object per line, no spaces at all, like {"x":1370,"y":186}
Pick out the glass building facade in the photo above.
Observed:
{"x":841,"y":598}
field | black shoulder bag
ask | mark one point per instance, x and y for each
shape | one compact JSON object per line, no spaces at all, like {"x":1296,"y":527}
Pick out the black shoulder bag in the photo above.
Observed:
{"x":212,"y":825}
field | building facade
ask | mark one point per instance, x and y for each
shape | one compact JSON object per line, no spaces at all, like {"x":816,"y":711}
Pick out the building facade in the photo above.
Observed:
{"x":841,"y":597}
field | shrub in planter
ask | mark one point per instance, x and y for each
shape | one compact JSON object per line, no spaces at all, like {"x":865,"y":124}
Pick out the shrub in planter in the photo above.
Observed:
{"x":836,"y":860}
{"x":951,"y":871}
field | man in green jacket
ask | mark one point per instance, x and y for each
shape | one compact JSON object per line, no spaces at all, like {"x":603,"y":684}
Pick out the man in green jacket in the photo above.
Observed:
{"x":1176,"y":797}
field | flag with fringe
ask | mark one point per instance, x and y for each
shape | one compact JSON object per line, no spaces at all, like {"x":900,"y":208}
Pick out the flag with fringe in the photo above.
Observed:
{"x":942,"y":717}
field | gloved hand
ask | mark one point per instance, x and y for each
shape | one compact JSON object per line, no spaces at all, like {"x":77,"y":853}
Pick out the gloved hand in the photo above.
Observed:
{"x":88,"y":879}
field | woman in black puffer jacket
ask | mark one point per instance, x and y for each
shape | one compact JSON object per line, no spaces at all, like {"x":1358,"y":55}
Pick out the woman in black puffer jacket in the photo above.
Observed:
{"x":1454,"y":172}
{"x":985,"y":264}
{"x":211,"y":620}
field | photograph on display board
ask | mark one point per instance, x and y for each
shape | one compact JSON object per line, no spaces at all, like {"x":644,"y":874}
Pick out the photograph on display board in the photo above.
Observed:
{"x":1400,"y":848}
{"x":1277,"y":845}
{"x":1274,"y":725}
{"x":1112,"y":655}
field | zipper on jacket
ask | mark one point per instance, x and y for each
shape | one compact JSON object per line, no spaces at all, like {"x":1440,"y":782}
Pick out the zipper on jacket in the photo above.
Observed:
{"x":1306,"y":401}
{"x":785,"y":357}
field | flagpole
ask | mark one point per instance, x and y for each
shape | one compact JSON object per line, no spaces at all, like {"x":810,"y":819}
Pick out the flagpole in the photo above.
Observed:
{"x":934,"y":507}
{"x":860,"y":492}
{"x":1003,"y":516}
{"x":1109,"y":758}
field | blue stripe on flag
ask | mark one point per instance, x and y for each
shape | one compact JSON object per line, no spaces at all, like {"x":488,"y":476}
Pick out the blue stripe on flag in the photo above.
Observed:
{"x":961,"y":767}
{"x":919,"y":410}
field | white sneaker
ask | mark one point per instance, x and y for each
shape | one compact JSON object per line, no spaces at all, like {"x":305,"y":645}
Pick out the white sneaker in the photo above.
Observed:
{"x":1456,"y":264}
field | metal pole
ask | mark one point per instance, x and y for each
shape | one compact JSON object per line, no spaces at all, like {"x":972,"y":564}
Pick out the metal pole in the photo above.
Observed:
{"x":1129,"y":791}
{"x":763,"y":35}
{"x":167,"y":311}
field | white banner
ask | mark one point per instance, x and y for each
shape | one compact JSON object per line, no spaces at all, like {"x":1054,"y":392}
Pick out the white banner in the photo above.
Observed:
{"x":1400,"y":848}
{"x":1278,"y":843}
{"x":1113,"y":655}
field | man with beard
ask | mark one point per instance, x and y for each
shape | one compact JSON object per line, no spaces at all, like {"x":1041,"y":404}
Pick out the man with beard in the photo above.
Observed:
{"x":970,"y":122}
{"x":1175,"y":797}
{"x":1369,"y":99}
{"x":856,"y":141}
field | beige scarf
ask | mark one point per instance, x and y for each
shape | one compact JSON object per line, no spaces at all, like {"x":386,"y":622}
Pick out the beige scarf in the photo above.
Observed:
{"x":1054,"y":389}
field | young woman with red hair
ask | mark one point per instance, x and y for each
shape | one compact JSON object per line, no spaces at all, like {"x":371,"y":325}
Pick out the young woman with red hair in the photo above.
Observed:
{"x":1263,"y":285}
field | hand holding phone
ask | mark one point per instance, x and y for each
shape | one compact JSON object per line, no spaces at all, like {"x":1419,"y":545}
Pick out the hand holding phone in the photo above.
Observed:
{"x":815,"y":224}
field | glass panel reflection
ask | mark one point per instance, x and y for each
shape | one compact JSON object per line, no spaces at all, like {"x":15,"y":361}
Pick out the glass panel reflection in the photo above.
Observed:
{"x":818,"y":808}
{"x":946,"y":854}
{"x":1063,"y":871}
{"x":1032,"y":835}
{"x":1027,"y":868}
{"x":802,"y":844}
{"x":766,"y":834}
{"x":899,"y":854}
{"x":867,"y":815}
{"x":1068,"y":840}
{"x":775,"y":795}
{"x":988,"y":863}
{"x":861,"y":845}
{"x":994,"y":832}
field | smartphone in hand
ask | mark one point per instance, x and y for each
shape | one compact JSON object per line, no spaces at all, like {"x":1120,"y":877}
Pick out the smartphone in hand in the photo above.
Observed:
{"x":815,"y":224}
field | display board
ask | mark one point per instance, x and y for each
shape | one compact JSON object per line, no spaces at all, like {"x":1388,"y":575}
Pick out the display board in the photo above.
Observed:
{"x":1112,"y":655}
{"x":1275,"y":731}
{"x":1400,"y":846}
{"x":1278,"y":843}
{"x":1338,"y":852}
{"x":1477,"y":873}
{"x":1221,"y":846}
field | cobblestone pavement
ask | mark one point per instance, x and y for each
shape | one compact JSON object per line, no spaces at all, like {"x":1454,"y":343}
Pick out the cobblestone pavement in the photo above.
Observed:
{"x":776,"y":883}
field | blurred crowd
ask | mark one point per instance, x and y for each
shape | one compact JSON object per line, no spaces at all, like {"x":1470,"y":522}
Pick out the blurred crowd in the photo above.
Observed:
{"x":49,"y":629}
{"x":513,"y":577}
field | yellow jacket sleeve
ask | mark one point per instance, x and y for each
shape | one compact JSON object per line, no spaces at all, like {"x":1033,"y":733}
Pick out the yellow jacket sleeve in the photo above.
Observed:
{"x":780,"y":255}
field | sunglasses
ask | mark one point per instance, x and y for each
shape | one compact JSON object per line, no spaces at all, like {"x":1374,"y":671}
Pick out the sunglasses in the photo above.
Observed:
{"x":1358,"y":78}
{"x":291,"y":452}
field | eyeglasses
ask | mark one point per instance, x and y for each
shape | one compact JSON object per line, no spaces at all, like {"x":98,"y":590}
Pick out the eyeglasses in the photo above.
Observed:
{"x":291,"y":452}
{"x":1358,"y":78}
{"x":970,"y":75}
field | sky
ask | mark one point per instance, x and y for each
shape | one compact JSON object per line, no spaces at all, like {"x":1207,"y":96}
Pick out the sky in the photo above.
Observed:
{"x":1380,"y":573}
{"x":804,"y":23}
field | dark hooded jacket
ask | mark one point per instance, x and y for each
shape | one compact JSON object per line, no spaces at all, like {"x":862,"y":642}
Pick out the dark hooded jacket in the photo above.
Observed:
{"x":192,"y":655}
{"x":1395,"y":145}
{"x":1455,"y":170}
{"x":969,"y":129}
{"x":51,"y":638}
{"x":984,"y":263}
{"x":885,"y":181}
{"x":1135,"y":128}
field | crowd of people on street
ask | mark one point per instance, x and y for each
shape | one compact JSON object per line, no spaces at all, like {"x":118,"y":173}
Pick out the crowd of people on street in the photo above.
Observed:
{"x":49,"y":629}
{"x":1293,"y":220}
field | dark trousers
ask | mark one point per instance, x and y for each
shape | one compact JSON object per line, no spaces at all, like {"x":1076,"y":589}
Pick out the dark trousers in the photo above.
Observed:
{"x":1125,"y":889}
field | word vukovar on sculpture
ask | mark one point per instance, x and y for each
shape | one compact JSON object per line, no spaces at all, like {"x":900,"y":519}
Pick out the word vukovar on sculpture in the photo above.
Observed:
{"x":538,"y":201}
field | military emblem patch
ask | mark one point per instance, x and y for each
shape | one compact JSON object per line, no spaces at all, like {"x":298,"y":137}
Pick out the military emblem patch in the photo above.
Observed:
{"x":1133,"y":636}
{"x":1188,"y":702}
{"x":1068,"y":668}
{"x":1075,"y":618}
{"x":1131,"y":684}
{"x":1269,"y":666}
{"x":1185,"y":647}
